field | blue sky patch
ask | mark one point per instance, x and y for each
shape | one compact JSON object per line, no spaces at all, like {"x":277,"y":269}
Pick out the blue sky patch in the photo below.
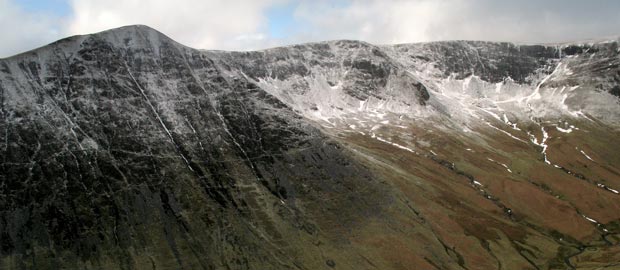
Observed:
{"x":282,"y":20}
{"x":57,"y":8}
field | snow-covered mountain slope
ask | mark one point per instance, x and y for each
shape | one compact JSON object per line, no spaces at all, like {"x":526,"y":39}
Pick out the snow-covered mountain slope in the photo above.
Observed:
{"x":527,"y":81}
{"x":331,"y":79}
{"x":465,"y":79}
{"x":125,"y":149}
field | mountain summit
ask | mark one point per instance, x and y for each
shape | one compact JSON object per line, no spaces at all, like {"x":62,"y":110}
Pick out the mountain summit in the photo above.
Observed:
{"x":127,"y":150}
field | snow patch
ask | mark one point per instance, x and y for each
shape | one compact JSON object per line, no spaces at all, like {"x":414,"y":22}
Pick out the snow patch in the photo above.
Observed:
{"x":505,"y":132}
{"x":564,"y":130}
{"x":336,"y":86}
{"x":590,"y":219}
{"x":607,"y":188}
{"x":542,"y":143}
{"x":394,"y":144}
{"x":586,"y":155}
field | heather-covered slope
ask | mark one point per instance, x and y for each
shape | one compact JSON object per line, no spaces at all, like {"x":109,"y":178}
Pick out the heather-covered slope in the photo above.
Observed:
{"x":125,"y":149}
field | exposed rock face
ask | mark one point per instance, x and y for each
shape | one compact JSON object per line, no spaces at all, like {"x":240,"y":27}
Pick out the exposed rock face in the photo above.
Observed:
{"x":492,"y":62}
{"x":125,"y":149}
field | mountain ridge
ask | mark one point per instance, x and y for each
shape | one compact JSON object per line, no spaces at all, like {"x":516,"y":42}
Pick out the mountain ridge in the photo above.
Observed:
{"x":590,"y":41}
{"x":126,"y":149}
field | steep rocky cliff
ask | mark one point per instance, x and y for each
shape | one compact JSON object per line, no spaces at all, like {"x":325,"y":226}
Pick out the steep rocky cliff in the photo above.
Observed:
{"x":125,"y":149}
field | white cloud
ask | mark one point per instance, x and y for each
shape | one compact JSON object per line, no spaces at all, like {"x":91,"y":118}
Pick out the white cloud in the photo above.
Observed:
{"x":401,"y":21}
{"x":244,"y":25}
{"x":21,"y":30}
{"x":206,"y":24}
{"x":373,"y":21}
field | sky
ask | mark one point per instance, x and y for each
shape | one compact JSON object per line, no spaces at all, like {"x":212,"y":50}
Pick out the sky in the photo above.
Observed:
{"x":259,"y":24}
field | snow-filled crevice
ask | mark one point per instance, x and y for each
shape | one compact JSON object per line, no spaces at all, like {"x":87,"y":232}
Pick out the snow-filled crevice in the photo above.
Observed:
{"x":505,"y":132}
{"x":605,"y":187}
{"x":584,"y":154}
{"x":499,"y":163}
{"x":542,"y":143}
{"x":393,"y":144}
{"x":158,"y":117}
